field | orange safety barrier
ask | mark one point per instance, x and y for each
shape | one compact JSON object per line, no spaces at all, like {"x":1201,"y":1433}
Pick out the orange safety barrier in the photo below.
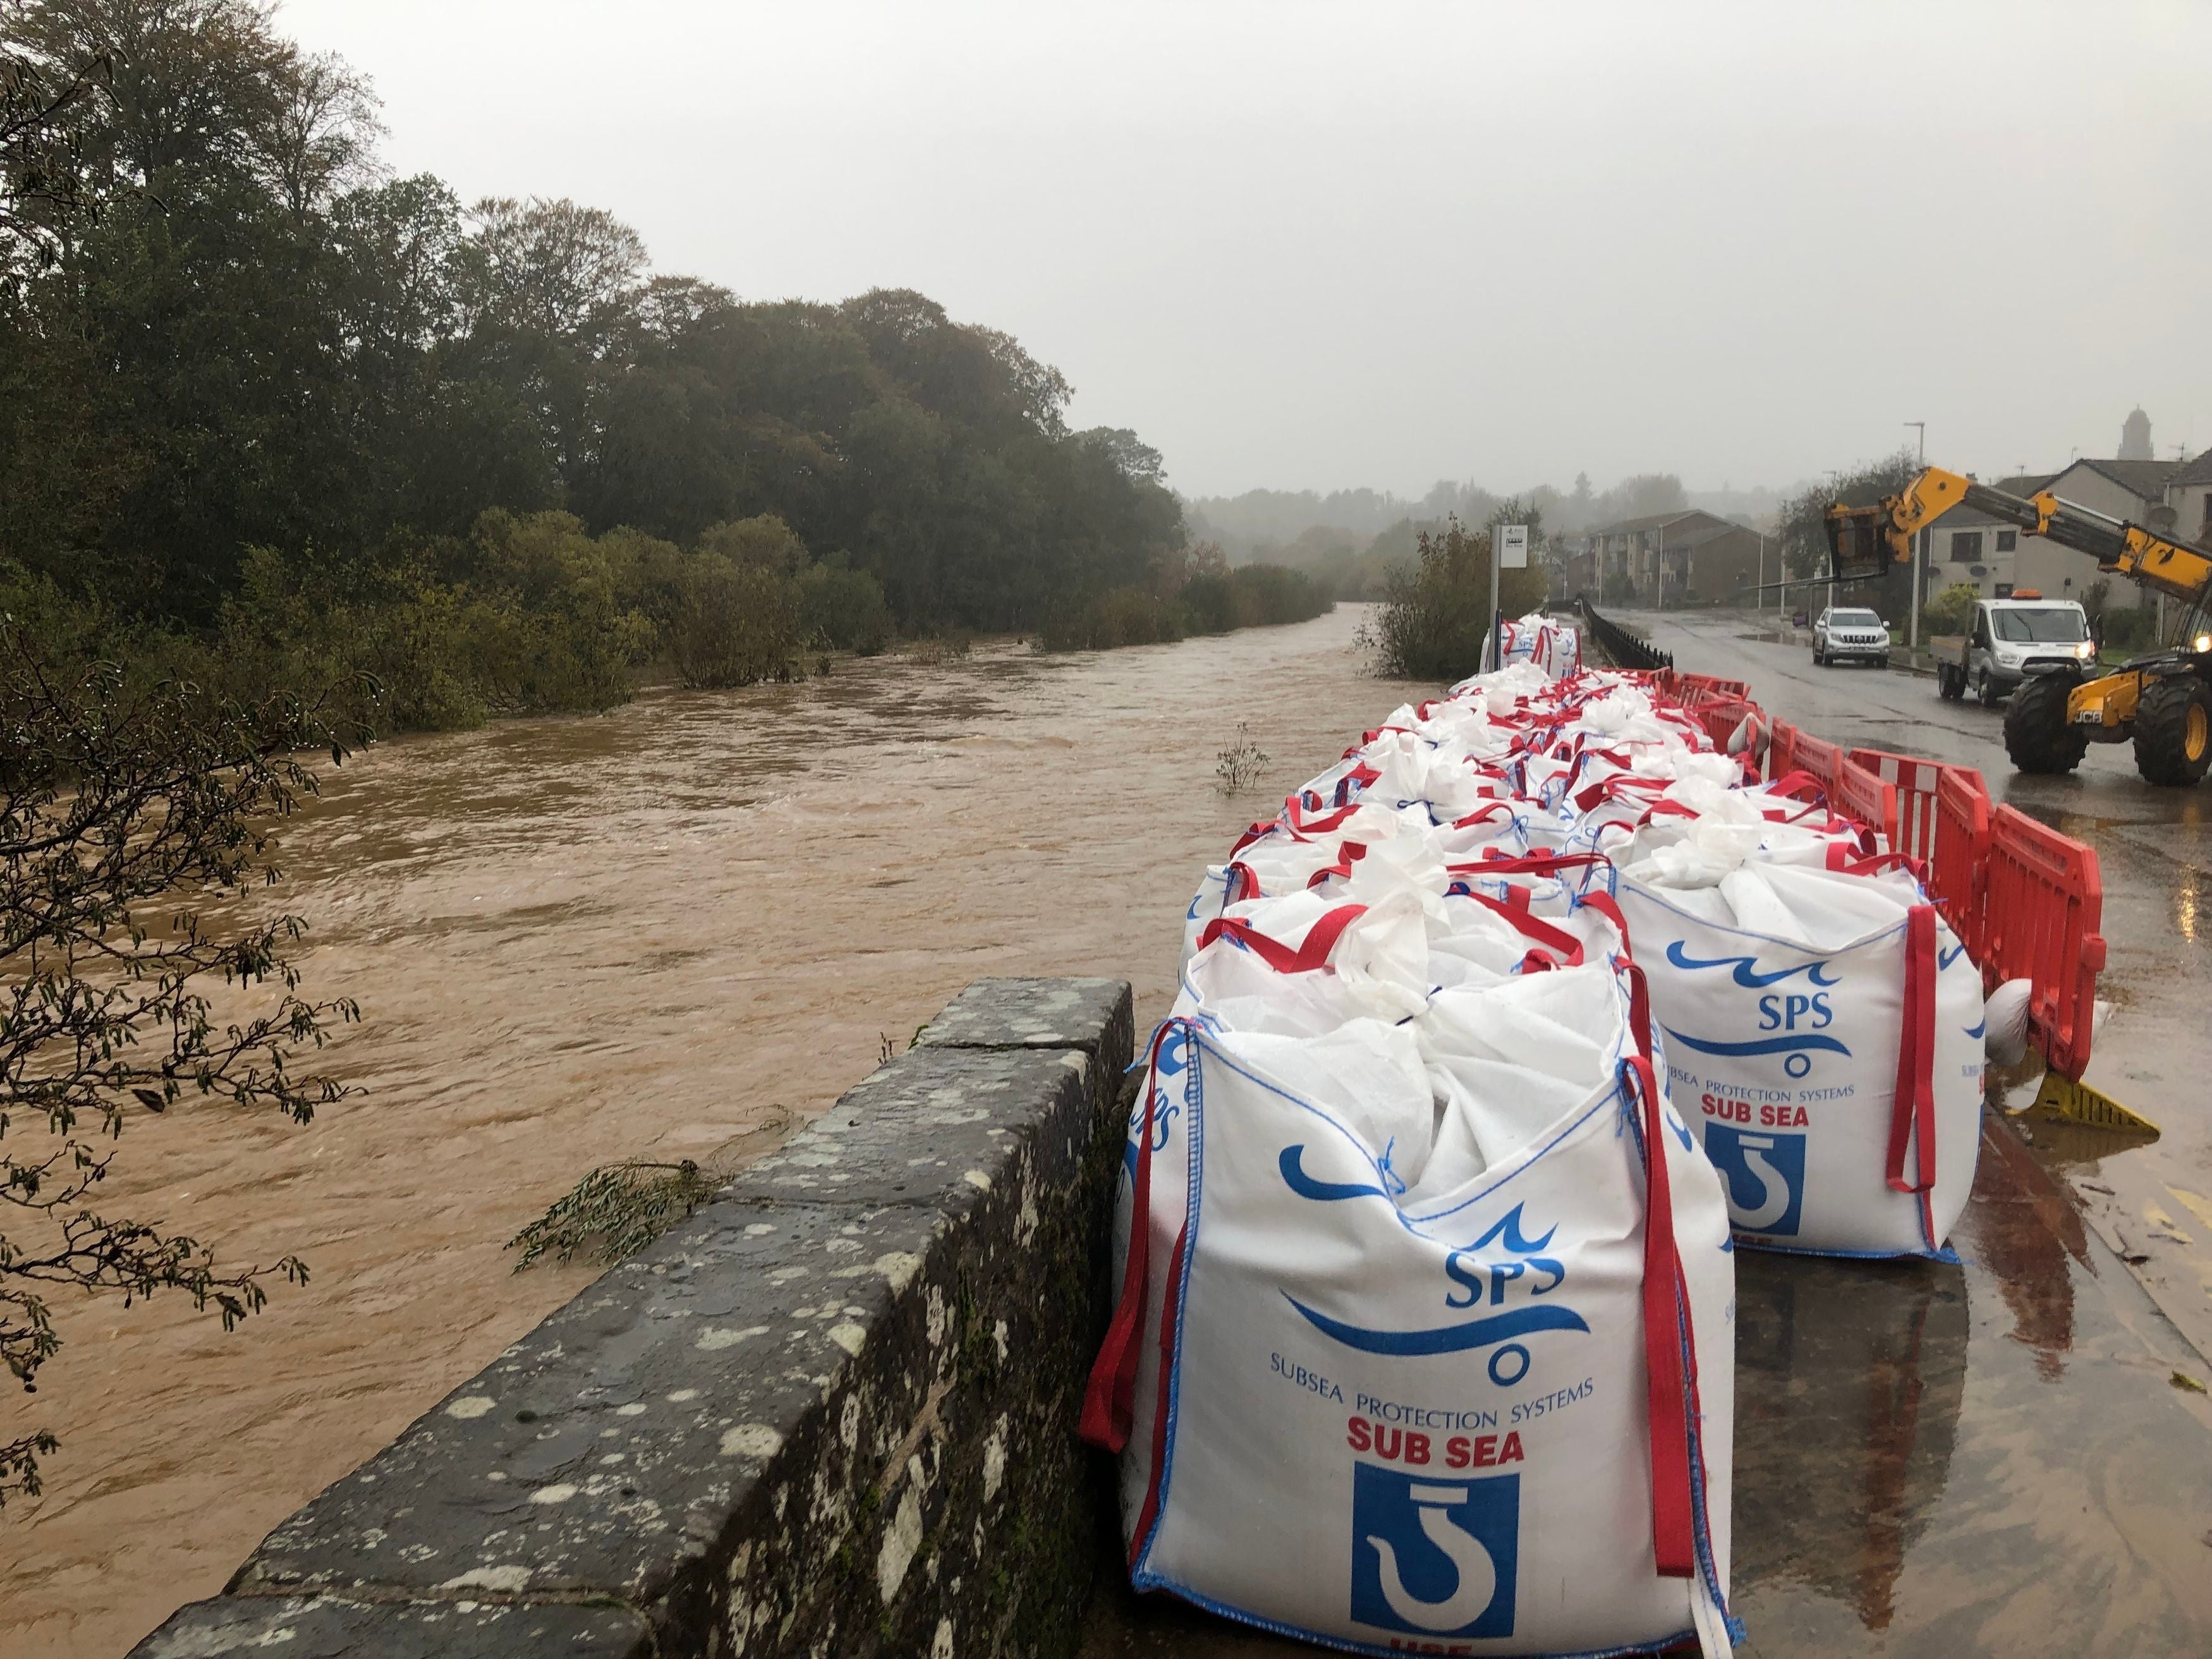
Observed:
{"x":1781,"y":750}
{"x":1721,"y":719}
{"x":1824,"y":760}
{"x":1859,"y":794}
{"x":1958,"y":872}
{"x":1913,"y":829}
{"x":1696,"y":690}
{"x":2044,"y":904}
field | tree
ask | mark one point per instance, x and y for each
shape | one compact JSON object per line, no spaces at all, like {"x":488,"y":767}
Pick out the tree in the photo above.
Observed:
{"x":47,"y":110}
{"x":1802,"y":530}
{"x":1435,"y":617}
{"x":122,"y":810}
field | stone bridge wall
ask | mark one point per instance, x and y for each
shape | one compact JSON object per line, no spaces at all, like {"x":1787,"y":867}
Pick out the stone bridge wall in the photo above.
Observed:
{"x":832,"y":1413}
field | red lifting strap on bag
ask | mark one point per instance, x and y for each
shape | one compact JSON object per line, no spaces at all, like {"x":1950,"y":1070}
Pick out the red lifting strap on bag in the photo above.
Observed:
{"x":1239,"y":870}
{"x":1912,"y":1116}
{"x":1561,"y":943}
{"x":1482,"y":814}
{"x":1108,"y":1401}
{"x":1608,"y":906}
{"x":1800,"y":786}
{"x":1841,"y":859}
{"x":1349,"y":854}
{"x":1320,"y":825}
{"x":1320,"y":938}
{"x":1670,"y":1379}
{"x":1495,"y":863}
{"x":1257,"y":832}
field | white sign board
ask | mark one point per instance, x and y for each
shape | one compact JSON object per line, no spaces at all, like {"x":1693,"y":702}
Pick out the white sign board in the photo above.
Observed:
{"x":1513,"y":546}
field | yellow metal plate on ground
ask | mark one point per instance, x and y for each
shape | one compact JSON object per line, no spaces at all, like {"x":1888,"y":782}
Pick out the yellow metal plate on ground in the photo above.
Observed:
{"x":2061,"y":1097}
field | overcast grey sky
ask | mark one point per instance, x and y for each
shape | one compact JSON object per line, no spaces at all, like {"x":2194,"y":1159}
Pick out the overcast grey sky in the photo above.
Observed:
{"x":1320,"y":246}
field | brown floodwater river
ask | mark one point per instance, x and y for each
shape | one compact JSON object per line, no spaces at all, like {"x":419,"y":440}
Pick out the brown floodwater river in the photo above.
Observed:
{"x":576,"y":941}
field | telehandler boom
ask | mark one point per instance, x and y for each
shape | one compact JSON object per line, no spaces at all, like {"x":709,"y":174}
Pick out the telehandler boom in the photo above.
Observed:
{"x":2161,"y":702}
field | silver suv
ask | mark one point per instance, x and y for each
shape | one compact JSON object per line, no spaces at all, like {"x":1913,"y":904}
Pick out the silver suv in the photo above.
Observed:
{"x":1843,"y":635}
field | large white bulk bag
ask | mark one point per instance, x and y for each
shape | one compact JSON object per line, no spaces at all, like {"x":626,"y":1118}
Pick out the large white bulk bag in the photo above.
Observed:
{"x":1492,"y":1420}
{"x":1302,"y":964}
{"x":1825,"y":1034}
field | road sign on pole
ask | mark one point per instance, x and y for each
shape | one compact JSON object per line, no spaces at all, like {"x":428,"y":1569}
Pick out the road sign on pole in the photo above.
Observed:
{"x":1508,"y":549}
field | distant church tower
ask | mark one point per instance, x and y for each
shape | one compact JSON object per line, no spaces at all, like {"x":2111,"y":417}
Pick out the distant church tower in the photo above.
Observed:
{"x":2135,"y":437}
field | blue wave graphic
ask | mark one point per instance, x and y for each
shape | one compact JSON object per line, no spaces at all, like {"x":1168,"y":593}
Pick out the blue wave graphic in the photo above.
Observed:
{"x":1747,"y":974}
{"x":1514,"y":1240}
{"x":1773,"y":1045}
{"x":1945,"y":958}
{"x":1324,"y":1192}
{"x":1978,"y":1028}
{"x":1443,"y":1338}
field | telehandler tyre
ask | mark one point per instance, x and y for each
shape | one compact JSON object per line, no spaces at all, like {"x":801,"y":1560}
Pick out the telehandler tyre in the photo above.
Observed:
{"x":2036,"y":733}
{"x":2174,"y":731}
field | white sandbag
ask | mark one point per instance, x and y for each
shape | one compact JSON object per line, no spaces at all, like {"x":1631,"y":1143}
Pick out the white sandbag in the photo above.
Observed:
{"x":1395,"y":1428}
{"x":1205,"y":905}
{"x":2004,"y":1019}
{"x":1825,"y":1035}
{"x":1301,"y":965}
{"x":1506,"y":1060}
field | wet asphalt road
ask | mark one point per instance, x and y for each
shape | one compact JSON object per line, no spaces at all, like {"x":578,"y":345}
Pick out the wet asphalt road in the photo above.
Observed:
{"x":1996,"y":1457}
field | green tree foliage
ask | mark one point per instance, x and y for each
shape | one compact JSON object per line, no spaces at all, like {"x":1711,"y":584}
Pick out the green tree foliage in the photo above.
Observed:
{"x":1191,"y":591}
{"x":1433,"y":624}
{"x":1804,"y":537}
{"x":134,"y":826}
{"x":1951,"y":611}
{"x":222,"y":329}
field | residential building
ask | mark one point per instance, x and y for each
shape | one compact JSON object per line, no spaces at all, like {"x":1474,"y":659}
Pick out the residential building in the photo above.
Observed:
{"x":1688,"y":558}
{"x":2189,"y":493}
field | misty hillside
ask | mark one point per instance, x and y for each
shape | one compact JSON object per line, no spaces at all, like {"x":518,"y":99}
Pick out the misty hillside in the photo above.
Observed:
{"x":1350,"y":538}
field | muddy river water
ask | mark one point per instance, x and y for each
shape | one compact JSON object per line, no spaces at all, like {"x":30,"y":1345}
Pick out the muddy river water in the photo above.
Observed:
{"x":581,"y":940}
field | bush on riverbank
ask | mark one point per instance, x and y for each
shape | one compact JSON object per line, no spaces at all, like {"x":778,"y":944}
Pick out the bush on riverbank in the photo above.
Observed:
{"x":1433,"y":622}
{"x":528,"y":614}
{"x":1214,"y":601}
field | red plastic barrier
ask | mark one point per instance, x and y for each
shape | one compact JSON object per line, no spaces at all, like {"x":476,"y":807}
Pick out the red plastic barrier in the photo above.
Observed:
{"x":1959,"y":873}
{"x":1942,"y":819}
{"x":1912,"y":830}
{"x":2044,"y":903}
{"x":1721,"y":719}
{"x":1696,"y":690}
{"x":1781,"y":750}
{"x":1824,"y":760}
{"x":1861,"y":795}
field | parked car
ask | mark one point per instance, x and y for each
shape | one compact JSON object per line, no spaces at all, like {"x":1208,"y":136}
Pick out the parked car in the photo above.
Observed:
{"x":1845,"y":635}
{"x":2008,"y":641}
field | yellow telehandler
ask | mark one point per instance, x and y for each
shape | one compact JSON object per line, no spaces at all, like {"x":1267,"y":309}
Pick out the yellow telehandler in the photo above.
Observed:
{"x":2161,"y":702}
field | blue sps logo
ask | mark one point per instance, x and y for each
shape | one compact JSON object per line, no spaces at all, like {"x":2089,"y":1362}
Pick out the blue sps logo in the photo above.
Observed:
{"x":1436,"y":1558}
{"x":1765,"y":1176}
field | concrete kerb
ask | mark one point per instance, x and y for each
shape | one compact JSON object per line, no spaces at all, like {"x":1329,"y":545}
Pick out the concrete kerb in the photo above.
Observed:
{"x":832,"y":1412}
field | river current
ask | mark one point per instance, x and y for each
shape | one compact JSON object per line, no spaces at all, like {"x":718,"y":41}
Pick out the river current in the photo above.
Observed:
{"x":651,"y":934}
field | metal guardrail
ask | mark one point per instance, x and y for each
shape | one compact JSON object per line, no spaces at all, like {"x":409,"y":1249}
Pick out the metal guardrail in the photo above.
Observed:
{"x":1621,"y":646}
